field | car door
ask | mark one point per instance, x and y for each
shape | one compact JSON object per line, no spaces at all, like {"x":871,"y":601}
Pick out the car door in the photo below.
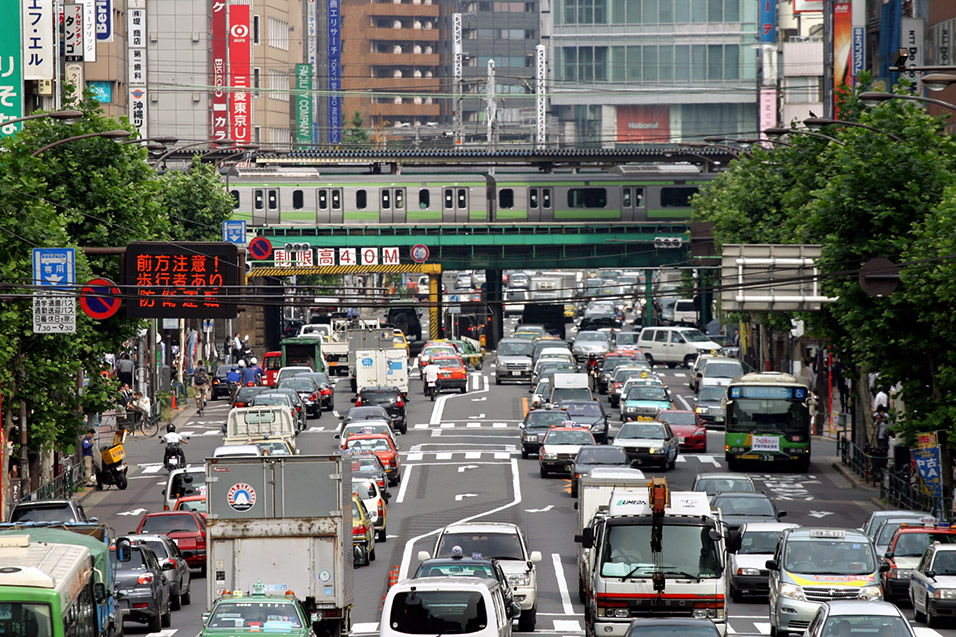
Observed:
{"x":671,"y":442}
{"x":918,"y":580}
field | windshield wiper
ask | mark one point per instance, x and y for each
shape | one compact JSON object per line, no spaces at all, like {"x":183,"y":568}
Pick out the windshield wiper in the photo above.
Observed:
{"x":683,"y":573}
{"x":634,"y":570}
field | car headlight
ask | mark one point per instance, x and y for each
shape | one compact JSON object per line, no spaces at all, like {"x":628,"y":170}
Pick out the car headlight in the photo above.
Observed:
{"x":792,"y":591}
{"x":875,"y":592}
{"x":945,"y":593}
{"x":653,"y":450}
{"x":900,"y":573}
{"x":701,"y":410}
{"x":549,"y":456}
{"x":748,"y":571}
{"x":598,"y":426}
{"x":520,"y":579}
{"x":531,"y":438}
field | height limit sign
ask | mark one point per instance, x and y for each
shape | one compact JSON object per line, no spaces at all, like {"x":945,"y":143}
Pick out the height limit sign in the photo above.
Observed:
{"x":54,"y":280}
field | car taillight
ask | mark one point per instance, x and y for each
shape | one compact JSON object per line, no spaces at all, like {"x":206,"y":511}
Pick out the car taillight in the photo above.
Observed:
{"x":381,"y":484}
{"x":381,"y":509}
{"x":360,"y":530}
{"x":325,"y":391}
{"x":358,"y":401}
{"x":239,"y":404}
{"x":314,"y":397}
{"x":145,"y":578}
{"x":399,"y":402}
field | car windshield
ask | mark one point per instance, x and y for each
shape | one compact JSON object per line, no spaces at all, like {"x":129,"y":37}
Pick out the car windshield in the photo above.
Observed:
{"x":264,"y":617}
{"x":367,"y":444}
{"x":222,"y":370}
{"x":582,"y":409}
{"x":582,"y":437}
{"x":823,"y":556}
{"x":611,"y":362}
{"x":298,"y":384}
{"x":502,"y":546}
{"x":639,"y":392}
{"x":163,"y":524}
{"x":945,"y":563}
{"x":379,"y":397}
{"x":365,"y":413}
{"x":514,"y":348}
{"x":913,"y":544}
{"x":888,"y":530}
{"x":694,"y":336}
{"x":447,"y":612}
{"x":449,"y":362}
{"x":711,"y":394}
{"x":23,"y":618}
{"x":866,"y":626}
{"x":272,"y":399}
{"x":683,"y":629}
{"x":319,"y":378}
{"x":367,"y":464}
{"x":643,"y":430}
{"x":192,"y":505}
{"x":544,"y":419}
{"x":456,"y":569}
{"x":722,"y":370}
{"x":730,"y":505}
{"x":274,"y":448}
{"x":598,"y":337}
{"x":758,"y":542}
{"x":677,"y":418}
{"x":56,"y":513}
{"x":626,"y":338}
{"x":602,"y":455}
{"x":245,"y":394}
{"x":686,"y":550}
{"x":713,"y":486}
{"x":572,"y":393}
{"x":365,"y":428}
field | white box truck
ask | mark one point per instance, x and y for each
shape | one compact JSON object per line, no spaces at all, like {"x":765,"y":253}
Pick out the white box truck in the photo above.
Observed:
{"x":368,"y":339}
{"x":381,"y":368}
{"x":285,"y":522}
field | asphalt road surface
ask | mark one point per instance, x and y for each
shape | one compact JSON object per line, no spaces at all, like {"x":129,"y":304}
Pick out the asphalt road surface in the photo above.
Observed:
{"x":461,"y":461}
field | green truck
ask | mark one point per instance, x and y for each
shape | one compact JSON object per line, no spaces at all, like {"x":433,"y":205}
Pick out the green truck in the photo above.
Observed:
{"x":301,"y":351}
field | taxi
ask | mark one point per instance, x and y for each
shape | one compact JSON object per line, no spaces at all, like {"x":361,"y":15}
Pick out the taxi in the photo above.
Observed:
{"x":644,"y":401}
{"x":382,"y":446}
{"x":609,"y":364}
{"x":933,"y":585}
{"x":560,"y":446}
{"x":470,"y":354}
{"x":238,"y":614}
{"x":374,"y":498}
{"x":620,"y":375}
{"x":432,"y":350}
{"x":400,"y":342}
{"x":452,"y":374}
{"x":364,"y":427}
{"x":904,"y":552}
{"x":363,"y":533}
{"x":191,"y":503}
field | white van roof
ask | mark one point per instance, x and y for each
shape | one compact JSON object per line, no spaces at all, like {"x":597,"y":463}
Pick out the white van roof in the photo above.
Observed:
{"x":570,"y":381}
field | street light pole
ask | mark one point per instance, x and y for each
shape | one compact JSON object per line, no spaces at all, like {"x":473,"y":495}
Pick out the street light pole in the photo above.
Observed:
{"x":110,"y":134}
{"x":64,"y":115}
{"x":874,"y":98}
{"x":797,"y":131}
{"x":825,"y":121}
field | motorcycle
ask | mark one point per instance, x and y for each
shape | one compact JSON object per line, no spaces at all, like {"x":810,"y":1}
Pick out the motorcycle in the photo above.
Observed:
{"x":174,"y":458}
{"x":113,"y":467}
{"x":432,"y":389}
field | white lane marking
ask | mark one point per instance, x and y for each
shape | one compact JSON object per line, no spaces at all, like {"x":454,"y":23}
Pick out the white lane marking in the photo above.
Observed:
{"x":414,"y":456}
{"x":443,"y":455}
{"x":365,"y":628}
{"x":686,"y":404}
{"x":472,"y":455}
{"x":470,"y":425}
{"x":447,"y":425}
{"x":567,"y":625}
{"x":421,"y":426}
{"x":730,"y":630}
{"x":762,"y":627}
{"x":461,"y":496}
{"x":151,"y":467}
{"x":563,"y":589}
{"x":402,"y":489}
{"x":499,"y":425}
{"x":503,"y":455}
{"x":410,"y":544}
{"x":439,"y":409}
{"x":708,"y":460}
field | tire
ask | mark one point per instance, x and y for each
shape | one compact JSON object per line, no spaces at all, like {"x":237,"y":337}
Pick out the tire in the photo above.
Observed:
{"x":371,"y":555}
{"x":381,"y":536}
{"x":672,"y":463}
{"x":803,"y":465}
{"x":497,"y":381}
{"x":166,"y":619}
{"x":122,"y":481}
{"x":671,"y":365}
{"x":735,"y":595}
{"x":524,"y":454}
{"x":650,"y":359}
{"x":187,"y":597}
{"x":932,"y":621}
{"x":917,"y":614}
{"x":773,"y":631}
{"x":464,"y":389}
{"x":155,"y":624}
{"x":175,"y":601}
{"x":528,"y":619}
{"x":544,"y":473}
{"x":689,"y":361}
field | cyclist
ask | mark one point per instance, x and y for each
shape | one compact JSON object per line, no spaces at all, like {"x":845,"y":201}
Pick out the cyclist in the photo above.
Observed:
{"x":200,"y":385}
{"x":141,"y":409}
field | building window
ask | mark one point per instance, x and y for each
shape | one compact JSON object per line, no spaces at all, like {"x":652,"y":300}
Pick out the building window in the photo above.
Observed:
{"x":255,"y":29}
{"x":278,"y":34}
{"x":256,"y":81}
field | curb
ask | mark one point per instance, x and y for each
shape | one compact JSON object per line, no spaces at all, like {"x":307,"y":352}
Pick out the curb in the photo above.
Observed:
{"x":859,"y":484}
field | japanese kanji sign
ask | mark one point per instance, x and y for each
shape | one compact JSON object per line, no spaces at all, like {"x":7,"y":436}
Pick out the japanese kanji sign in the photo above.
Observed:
{"x":11,"y":67}
{"x":38,"y":39}
{"x":182,"y":280}
{"x":240,"y":72}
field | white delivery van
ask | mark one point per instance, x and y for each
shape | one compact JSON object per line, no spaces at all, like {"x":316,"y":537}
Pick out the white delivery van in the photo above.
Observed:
{"x":569,"y":387}
{"x":246,"y":425}
{"x":381,"y":368}
{"x":675,"y":346}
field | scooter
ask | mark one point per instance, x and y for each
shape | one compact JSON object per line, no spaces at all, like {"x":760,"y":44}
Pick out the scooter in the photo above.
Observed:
{"x":113,"y":467}
{"x":432,"y":389}
{"x":174,"y":458}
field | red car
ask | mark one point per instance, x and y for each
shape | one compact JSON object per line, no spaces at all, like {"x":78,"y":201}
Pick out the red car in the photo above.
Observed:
{"x":186,"y":528}
{"x":686,"y":425}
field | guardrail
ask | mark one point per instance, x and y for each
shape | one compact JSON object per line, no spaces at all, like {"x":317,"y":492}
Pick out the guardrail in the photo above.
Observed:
{"x":903,"y":493}
{"x":62,"y":486}
{"x":869,"y":467}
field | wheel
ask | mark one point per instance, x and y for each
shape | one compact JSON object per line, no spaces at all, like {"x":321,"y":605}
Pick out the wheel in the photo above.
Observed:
{"x":650,"y":359}
{"x":735,"y":595}
{"x":689,"y":361}
{"x":672,"y":463}
{"x":166,"y":619}
{"x":544,"y":473}
{"x":187,"y":597}
{"x":175,"y":601}
{"x":371,"y":555}
{"x":528,"y":619}
{"x":524,"y":454}
{"x":122,"y":481}
{"x":574,"y":490}
{"x":497,"y":381}
{"x":803,"y":465}
{"x":404,"y":429}
{"x":671,"y":365}
{"x":773,"y":631}
{"x":149,"y":427}
{"x":932,"y":620}
{"x":464,"y":389}
{"x":155,"y":624}
{"x":381,"y":536}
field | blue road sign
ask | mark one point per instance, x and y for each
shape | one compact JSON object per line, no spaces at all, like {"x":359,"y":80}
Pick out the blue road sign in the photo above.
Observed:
{"x":54,"y":267}
{"x":234,"y":231}
{"x":454,"y":298}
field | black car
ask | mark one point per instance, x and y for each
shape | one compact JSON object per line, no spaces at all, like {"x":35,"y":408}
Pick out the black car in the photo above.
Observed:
{"x":142,"y":588}
{"x":365,"y":412}
{"x":308,"y":392}
{"x":589,"y":413}
{"x":598,"y":321}
{"x":536,"y":424}
{"x":590,"y":456}
{"x":460,"y":566}
{"x":244,"y":395}
{"x":326,"y":388}
{"x":180,"y":584}
{"x":672,"y":627}
{"x":737,"y":508}
{"x":390,"y":399}
{"x":219,"y":384}
{"x":369,"y":465}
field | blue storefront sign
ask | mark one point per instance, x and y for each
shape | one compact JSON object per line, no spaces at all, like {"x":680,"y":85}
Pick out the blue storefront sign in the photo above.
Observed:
{"x":335,"y":73}
{"x":102,"y":91}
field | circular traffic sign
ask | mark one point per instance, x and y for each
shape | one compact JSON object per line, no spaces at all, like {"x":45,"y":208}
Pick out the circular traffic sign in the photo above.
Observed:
{"x":100,"y":298}
{"x":260,"y":248}
{"x":419,"y":253}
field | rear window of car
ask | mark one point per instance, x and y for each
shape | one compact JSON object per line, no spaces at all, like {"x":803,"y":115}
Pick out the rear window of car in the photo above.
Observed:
{"x":169,"y":524}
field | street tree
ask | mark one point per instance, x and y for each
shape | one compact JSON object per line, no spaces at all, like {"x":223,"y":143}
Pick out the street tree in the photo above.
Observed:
{"x":197,"y":202}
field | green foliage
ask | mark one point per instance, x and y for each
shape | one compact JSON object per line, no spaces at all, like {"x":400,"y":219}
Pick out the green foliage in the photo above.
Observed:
{"x":197,"y":202}
{"x":355,"y":135}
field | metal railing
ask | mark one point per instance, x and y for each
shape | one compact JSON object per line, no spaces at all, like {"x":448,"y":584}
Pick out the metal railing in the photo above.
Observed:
{"x":62,"y":486}
{"x":868,"y":466}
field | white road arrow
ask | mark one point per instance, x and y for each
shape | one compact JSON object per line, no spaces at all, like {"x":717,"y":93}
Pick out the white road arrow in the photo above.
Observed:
{"x":547,"y":508}
{"x":460,"y":496}
{"x":820,"y":514}
{"x":465,"y":467}
{"x":478,"y":417}
{"x":478,"y":400}
{"x":133,"y":512}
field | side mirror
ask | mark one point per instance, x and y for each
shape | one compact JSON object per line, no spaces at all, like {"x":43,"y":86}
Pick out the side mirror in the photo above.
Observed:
{"x":930,"y":574}
{"x":781,"y":514}
{"x":423,"y":555}
{"x":772,"y":565}
{"x":884,"y":567}
{"x":515,"y":609}
{"x":169,"y":566}
{"x":336,"y":436}
{"x":535,"y":556}
{"x":94,"y":519}
{"x":585,"y":539}
{"x":99,"y":593}
{"x":205,"y":618}
{"x":352,"y":400}
{"x":124,"y":549}
{"x":888,"y":555}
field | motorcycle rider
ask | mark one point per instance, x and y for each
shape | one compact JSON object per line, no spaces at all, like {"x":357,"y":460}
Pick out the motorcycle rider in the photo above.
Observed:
{"x":254,"y":365}
{"x":430,"y":377}
{"x":247,"y":375}
{"x":592,"y":370}
{"x":232,"y":379}
{"x":173,"y":442}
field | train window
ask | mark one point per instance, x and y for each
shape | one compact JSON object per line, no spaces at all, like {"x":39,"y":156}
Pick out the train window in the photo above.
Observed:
{"x":506,"y":198}
{"x":361,"y":200}
{"x":273,"y":199}
{"x":399,"y":199}
{"x":386,"y":199}
{"x":235,"y":198}
{"x":626,"y":197}
{"x":677,"y":197}
{"x":323,"y":199}
{"x":449,"y":199}
{"x":545,"y":197}
{"x":533,"y":197}
{"x":336,"y":199}
{"x":424,"y":198}
{"x":258,"y":199}
{"x":462,"y":198}
{"x":638,"y":197}
{"x":587,"y":197}
{"x":297,"y":199}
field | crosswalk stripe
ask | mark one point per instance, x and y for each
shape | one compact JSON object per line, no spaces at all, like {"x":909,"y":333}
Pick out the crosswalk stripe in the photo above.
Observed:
{"x":762,"y":627}
{"x":366,"y":627}
{"x":443,"y":455}
{"x":472,"y":455}
{"x":414,"y":456}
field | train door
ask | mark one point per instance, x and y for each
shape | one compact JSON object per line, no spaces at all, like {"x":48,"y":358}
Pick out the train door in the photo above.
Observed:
{"x":455,"y":204}
{"x":632,"y":204}
{"x":328,"y":206}
{"x":391,"y":205}
{"x":546,"y":208}
{"x":265,"y":206}
{"x":534,"y":204}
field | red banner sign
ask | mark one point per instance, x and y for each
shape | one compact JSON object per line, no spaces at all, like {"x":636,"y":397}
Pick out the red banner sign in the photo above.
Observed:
{"x":240,"y":70}
{"x":219,"y":125}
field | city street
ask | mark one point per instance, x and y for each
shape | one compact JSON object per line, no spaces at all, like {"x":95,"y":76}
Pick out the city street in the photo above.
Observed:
{"x":461,"y":461}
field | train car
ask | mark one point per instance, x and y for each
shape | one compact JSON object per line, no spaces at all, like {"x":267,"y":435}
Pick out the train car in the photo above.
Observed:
{"x":305,"y":197}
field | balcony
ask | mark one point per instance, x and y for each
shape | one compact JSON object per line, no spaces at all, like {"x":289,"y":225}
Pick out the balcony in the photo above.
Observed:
{"x":403,"y":35}
{"x":404,"y":110}
{"x":403,"y":59}
{"x":382,"y":10}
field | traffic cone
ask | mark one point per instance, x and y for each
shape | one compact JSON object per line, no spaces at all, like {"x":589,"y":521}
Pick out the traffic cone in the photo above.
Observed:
{"x":172,"y":400}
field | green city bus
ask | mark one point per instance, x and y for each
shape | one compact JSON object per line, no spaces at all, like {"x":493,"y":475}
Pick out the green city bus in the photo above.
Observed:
{"x":46,"y":590}
{"x":768,"y":420}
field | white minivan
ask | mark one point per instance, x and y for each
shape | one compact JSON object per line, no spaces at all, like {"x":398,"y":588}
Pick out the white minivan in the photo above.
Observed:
{"x":445,"y":606}
{"x":675,"y":346}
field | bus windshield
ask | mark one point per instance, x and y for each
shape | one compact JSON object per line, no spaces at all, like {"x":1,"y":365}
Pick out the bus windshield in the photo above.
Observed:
{"x":19,"y":618}
{"x":759,"y":415}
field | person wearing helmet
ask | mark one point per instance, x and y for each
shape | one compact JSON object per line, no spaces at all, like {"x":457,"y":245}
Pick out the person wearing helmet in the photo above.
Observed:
{"x":254,"y":364}
{"x":232,"y":380}
{"x":173,"y":442}
{"x":248,"y":374}
{"x":241,"y":364}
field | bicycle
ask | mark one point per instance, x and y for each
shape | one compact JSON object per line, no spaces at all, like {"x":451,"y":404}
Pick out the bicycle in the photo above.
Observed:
{"x":147,"y":425}
{"x":200,"y":403}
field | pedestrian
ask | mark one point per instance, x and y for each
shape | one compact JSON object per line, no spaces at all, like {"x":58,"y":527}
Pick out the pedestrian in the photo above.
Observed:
{"x":87,"y":452}
{"x":842,"y":384}
{"x":881,"y":398}
{"x":736,"y":338}
{"x":126,"y":395}
{"x":124,"y":370}
{"x":881,"y":424}
{"x":236,"y":348}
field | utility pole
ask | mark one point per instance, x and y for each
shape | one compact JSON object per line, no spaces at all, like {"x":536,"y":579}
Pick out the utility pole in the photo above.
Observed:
{"x":491,"y":108}
{"x":541,"y":105}
{"x":457,"y":77}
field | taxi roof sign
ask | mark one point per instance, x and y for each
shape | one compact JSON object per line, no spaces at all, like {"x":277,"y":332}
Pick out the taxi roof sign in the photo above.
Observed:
{"x":827,"y":533}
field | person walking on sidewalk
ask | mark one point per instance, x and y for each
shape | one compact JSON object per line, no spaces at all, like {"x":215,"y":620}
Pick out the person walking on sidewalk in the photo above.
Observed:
{"x":87,"y":452}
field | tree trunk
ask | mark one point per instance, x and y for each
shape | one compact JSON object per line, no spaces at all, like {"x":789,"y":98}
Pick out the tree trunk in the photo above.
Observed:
{"x":863,"y":414}
{"x":46,"y":465}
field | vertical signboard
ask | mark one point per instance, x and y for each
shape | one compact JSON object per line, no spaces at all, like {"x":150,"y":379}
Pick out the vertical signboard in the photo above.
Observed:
{"x":38,"y":40}
{"x":11,"y":67}
{"x":136,"y":54}
{"x":311,"y":56}
{"x":73,"y":32}
{"x":940,"y":52}
{"x":219,"y":124}
{"x":768,"y":21}
{"x":768,"y":107}
{"x":335,"y":79}
{"x":240,"y":63}
{"x":912,"y":39}
{"x":104,"y":20}
{"x":89,"y":30}
{"x":842,"y":47}
{"x":54,"y":304}
{"x":303,"y":110}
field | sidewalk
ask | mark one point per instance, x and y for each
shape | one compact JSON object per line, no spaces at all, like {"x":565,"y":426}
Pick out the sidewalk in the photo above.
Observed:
{"x":868,"y":491}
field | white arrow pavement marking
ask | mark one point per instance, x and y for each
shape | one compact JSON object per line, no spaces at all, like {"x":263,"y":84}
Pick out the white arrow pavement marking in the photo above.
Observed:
{"x":547,"y":508}
{"x":458,"y":498}
{"x":465,"y":467}
{"x":478,"y":417}
{"x":819,"y":514}
{"x":133,"y":512}
{"x":478,"y":400}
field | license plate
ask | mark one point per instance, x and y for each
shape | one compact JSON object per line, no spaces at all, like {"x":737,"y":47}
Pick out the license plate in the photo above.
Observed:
{"x":767,"y":457}
{"x":680,"y":439}
{"x":749,"y":456}
{"x":645,"y":418}
{"x":516,"y":373}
